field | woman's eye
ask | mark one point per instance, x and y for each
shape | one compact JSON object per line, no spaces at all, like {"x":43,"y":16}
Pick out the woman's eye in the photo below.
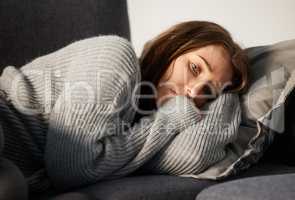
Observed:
{"x":195,"y":68}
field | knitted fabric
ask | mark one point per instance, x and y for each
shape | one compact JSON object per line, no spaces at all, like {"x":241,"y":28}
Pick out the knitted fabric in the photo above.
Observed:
{"x":66,"y":118}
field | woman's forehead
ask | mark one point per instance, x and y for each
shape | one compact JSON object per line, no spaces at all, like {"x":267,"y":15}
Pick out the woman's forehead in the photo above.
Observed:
{"x":215,"y":54}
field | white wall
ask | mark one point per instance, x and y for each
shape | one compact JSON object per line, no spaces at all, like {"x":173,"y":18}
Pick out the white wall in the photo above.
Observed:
{"x":251,"y":22}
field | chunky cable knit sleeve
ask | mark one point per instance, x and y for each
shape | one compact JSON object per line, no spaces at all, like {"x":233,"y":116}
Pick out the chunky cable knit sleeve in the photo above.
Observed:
{"x":203,"y":143}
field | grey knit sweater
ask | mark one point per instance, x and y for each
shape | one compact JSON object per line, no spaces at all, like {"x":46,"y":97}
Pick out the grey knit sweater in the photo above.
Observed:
{"x":66,"y":116}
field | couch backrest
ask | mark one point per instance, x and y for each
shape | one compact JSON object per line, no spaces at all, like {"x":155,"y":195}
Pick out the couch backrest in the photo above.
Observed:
{"x":30,"y":28}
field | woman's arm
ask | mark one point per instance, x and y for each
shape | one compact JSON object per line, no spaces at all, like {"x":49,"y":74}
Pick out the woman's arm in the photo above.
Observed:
{"x":80,"y":152}
{"x":202,"y":144}
{"x":88,"y":139}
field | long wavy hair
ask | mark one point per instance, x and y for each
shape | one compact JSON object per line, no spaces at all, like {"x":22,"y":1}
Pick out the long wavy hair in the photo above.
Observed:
{"x":160,"y":51}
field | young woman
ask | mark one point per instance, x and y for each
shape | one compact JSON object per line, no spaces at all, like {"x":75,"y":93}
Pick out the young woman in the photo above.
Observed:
{"x":91,"y":111}
{"x":187,"y":44}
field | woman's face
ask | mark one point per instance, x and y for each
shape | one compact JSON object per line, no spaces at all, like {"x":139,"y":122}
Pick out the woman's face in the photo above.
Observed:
{"x":201,"y":74}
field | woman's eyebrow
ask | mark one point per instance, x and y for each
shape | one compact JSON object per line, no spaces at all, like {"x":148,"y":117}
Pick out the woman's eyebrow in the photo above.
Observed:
{"x":209,"y":67}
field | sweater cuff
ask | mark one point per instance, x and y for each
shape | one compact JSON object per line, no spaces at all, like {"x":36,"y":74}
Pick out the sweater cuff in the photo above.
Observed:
{"x":180,"y":111}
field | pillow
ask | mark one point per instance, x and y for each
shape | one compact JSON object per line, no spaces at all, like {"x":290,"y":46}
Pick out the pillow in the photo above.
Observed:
{"x":272,"y":78}
{"x":269,"y":101}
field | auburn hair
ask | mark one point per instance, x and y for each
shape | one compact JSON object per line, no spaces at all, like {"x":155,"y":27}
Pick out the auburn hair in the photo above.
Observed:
{"x":160,"y":51}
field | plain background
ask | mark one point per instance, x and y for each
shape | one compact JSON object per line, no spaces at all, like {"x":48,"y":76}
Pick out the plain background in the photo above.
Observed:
{"x":251,"y":22}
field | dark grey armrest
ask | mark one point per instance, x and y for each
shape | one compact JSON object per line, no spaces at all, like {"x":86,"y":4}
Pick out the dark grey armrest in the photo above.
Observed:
{"x":31,"y":28}
{"x":12,"y":182}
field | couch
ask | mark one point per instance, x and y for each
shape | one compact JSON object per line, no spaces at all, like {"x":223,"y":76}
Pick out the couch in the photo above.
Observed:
{"x":29,"y":29}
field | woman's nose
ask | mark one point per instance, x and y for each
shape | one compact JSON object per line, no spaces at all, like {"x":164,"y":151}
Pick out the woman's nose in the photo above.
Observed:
{"x":192,"y":92}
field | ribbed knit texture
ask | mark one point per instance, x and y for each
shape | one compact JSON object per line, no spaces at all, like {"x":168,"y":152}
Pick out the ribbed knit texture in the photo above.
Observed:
{"x":67,"y":115}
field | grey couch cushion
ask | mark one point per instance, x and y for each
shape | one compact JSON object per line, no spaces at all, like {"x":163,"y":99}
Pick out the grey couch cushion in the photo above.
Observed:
{"x":30,"y":28}
{"x":261,"y":181}
{"x":148,"y":187}
{"x":158,"y":187}
{"x":264,"y":187}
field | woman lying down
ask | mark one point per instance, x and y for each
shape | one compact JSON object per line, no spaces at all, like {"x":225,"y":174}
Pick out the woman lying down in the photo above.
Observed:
{"x":92,"y":111}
